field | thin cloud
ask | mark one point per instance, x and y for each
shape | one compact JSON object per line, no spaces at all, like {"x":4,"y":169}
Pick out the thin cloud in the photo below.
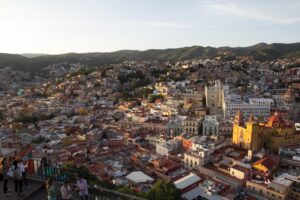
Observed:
{"x":166,"y":24}
{"x":159,"y":24}
{"x":233,"y":9}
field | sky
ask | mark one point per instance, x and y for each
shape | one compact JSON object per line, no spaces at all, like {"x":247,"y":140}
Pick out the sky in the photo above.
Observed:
{"x":62,"y":26}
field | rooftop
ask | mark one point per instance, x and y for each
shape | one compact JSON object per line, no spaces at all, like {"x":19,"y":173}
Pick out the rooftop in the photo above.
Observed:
{"x":139,"y":177}
{"x":187,"y":181}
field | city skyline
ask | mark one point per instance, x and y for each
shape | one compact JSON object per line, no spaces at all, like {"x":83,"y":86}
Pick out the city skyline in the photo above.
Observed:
{"x":150,"y":100}
{"x":56,"y":27}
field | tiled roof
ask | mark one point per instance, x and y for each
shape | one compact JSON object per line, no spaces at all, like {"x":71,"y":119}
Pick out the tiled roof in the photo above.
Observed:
{"x":269,"y":161}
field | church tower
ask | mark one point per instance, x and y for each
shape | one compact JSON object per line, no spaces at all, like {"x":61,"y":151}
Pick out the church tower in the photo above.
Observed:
{"x":252,"y":135}
{"x":239,"y":118}
{"x":246,"y":136}
{"x":238,"y":129}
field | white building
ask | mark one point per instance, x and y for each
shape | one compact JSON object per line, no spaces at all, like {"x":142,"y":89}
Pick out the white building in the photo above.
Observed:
{"x":191,"y":125}
{"x":256,"y":107}
{"x":210,"y":125}
{"x":153,"y":140}
{"x":167,"y":147}
{"x":191,"y":188}
{"x":262,"y":101}
{"x":201,"y":150}
{"x":194,"y":159}
{"x":233,"y":102}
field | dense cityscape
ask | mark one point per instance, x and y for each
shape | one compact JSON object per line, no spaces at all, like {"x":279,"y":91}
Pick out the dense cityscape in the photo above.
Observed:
{"x":211,"y":128}
{"x":149,"y":100}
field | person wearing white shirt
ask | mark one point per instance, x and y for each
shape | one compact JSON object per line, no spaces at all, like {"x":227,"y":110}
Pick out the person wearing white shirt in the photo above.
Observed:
{"x":65,"y":191}
{"x":23,"y":171}
{"x":17,"y":175}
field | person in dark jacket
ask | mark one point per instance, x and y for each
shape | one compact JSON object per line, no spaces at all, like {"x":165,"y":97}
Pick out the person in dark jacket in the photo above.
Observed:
{"x":6,"y":175}
{"x":18,"y":179}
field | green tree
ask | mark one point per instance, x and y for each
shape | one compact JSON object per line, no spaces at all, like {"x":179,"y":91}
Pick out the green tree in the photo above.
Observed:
{"x":164,"y":190}
{"x":144,"y":92}
{"x":134,"y":83}
{"x":38,"y":140}
{"x":71,"y":170}
{"x":127,"y":190}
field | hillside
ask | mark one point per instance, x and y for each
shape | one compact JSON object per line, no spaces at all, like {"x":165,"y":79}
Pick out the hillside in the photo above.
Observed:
{"x":32,"y":55}
{"x":260,"y":51}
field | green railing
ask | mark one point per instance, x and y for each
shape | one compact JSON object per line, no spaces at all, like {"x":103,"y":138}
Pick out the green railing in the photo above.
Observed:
{"x":42,"y":172}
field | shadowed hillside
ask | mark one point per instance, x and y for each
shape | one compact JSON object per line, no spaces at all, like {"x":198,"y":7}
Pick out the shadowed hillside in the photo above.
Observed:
{"x":260,"y":51}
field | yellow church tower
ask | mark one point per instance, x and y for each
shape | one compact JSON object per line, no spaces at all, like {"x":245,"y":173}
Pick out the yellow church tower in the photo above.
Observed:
{"x":238,"y":129}
{"x":254,"y":135}
{"x":246,"y":136}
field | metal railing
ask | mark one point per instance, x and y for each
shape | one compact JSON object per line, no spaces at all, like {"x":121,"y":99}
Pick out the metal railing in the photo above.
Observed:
{"x":41,"y":172}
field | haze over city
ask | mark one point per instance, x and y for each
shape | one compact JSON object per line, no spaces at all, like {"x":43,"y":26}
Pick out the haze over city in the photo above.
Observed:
{"x":57,"y":26}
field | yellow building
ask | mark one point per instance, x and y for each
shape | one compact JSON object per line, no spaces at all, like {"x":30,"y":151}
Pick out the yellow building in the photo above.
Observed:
{"x":270,"y":135}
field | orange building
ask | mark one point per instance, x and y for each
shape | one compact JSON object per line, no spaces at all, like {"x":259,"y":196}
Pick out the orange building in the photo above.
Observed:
{"x":186,"y":143}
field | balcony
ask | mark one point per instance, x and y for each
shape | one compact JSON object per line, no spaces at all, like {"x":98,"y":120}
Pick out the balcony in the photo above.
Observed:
{"x":37,"y":191}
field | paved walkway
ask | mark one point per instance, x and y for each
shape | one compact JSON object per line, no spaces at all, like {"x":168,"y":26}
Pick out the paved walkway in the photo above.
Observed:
{"x":33,"y":188}
{"x":39,"y":195}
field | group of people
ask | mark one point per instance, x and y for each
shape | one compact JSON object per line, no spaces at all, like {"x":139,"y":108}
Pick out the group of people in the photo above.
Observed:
{"x":67,"y":189}
{"x":16,"y":171}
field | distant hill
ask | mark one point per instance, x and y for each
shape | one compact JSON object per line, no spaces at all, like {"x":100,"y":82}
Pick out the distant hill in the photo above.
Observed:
{"x":32,"y":55}
{"x":259,"y":51}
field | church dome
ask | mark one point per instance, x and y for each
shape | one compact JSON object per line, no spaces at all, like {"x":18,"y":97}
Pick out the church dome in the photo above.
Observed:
{"x":276,"y":120}
{"x":289,"y":95}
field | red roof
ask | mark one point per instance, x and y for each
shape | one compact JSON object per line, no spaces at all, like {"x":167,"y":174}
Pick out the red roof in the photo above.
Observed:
{"x":270,"y":162}
{"x":276,"y":119}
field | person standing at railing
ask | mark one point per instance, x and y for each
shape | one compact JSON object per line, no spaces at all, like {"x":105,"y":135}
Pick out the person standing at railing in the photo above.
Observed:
{"x":66,"y":191}
{"x":6,"y":175}
{"x":82,"y":187}
{"x":18,"y":179}
{"x":51,"y":190}
{"x":44,"y":165}
{"x":23,"y":171}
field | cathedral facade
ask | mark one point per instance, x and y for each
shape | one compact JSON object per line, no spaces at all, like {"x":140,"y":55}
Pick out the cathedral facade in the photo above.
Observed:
{"x":270,"y":135}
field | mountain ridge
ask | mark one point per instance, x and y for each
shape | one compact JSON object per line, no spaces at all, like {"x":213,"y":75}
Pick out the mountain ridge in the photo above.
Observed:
{"x":260,"y":51}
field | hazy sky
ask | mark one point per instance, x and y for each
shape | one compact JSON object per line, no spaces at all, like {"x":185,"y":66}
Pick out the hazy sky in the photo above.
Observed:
{"x":60,"y":26}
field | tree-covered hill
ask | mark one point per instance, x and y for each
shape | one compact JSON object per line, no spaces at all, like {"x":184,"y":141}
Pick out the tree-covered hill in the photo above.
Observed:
{"x":259,"y":51}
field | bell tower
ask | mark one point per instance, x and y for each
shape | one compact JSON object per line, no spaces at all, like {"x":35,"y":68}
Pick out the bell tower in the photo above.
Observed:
{"x":238,"y":129}
{"x":252,"y":137}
